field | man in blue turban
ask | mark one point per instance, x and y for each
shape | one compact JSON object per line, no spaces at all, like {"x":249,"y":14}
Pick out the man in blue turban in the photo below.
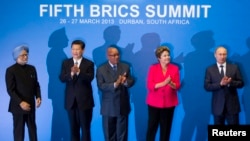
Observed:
{"x":25,"y":95}
{"x":18,"y":50}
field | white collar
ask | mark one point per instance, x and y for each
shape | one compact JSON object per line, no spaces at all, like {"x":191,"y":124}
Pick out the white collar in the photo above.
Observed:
{"x":78,"y":61}
{"x":224,"y":65}
{"x":112,"y":64}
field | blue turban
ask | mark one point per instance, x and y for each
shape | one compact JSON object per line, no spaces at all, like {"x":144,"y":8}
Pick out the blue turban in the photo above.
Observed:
{"x":16,"y":52}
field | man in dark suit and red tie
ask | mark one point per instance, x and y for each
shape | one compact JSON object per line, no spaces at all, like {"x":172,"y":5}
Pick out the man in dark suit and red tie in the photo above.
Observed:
{"x":78,"y":73}
{"x":223,"y":79}
{"x":114,"y":80}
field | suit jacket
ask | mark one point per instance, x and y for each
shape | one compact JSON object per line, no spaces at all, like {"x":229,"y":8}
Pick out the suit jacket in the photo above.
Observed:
{"x":22,"y":85}
{"x":165,"y":96}
{"x":115,"y":101}
{"x":78,"y":88}
{"x":224,"y":95}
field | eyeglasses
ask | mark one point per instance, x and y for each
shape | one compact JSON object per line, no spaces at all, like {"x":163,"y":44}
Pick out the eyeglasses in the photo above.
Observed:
{"x":114,"y":55}
{"x":24,"y":55}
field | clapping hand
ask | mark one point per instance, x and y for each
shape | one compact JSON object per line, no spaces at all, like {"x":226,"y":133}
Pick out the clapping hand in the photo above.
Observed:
{"x":75,"y":70}
{"x":225,"y":81}
{"x":121,"y":79}
{"x":167,"y":80}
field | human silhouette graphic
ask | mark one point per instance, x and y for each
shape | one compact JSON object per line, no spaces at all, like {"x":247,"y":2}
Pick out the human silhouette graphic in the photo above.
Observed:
{"x":196,"y":101}
{"x":141,"y":61}
{"x":246,"y":69}
{"x":243,"y":63}
{"x":58,"y":40}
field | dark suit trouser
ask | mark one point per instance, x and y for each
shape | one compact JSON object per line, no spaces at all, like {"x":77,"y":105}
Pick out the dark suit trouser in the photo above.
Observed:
{"x":115,"y":128}
{"x":231,"y":119}
{"x":19,"y":121}
{"x":80,"y":119}
{"x":162,"y":117}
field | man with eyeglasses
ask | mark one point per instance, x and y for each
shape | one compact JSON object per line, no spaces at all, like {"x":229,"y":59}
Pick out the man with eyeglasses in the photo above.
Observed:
{"x":114,"y":80}
{"x":25,"y":95}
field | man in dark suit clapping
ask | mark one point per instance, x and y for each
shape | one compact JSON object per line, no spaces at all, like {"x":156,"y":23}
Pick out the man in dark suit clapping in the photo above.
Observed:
{"x":78,"y":73}
{"x":223,"y":79}
{"x":114,"y":80}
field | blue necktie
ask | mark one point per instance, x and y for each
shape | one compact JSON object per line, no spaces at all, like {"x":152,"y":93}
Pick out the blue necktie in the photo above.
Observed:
{"x":115,"y":68}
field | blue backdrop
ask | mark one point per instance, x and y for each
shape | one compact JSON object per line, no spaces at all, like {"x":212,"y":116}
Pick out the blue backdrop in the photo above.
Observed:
{"x":192,"y":29}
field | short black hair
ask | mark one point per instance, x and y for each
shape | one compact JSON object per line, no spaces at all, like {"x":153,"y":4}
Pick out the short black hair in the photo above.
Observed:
{"x":78,"y":42}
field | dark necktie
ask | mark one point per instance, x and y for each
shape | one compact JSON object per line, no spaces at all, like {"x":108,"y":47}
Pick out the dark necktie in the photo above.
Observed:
{"x":115,"y":68}
{"x":75,"y":75}
{"x":222,"y":71}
